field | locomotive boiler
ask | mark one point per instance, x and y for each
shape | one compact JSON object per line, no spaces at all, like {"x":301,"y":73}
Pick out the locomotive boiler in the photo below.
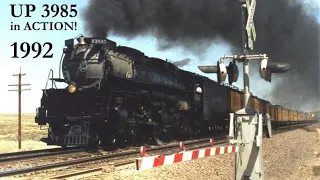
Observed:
{"x":117,"y":94}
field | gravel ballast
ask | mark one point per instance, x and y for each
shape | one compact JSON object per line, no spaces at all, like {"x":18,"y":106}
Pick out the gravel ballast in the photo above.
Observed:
{"x":292,"y":155}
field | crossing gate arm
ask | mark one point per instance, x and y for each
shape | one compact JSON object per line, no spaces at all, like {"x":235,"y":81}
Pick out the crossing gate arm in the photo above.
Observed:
{"x":149,"y":162}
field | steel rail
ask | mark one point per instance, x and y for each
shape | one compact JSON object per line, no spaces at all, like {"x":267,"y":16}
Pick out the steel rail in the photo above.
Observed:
{"x":5,"y":155}
{"x":286,"y":128}
{"x":77,"y":173}
{"x":47,"y":154}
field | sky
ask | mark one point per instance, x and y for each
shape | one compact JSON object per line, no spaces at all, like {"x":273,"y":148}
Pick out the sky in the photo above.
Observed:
{"x":37,"y":69}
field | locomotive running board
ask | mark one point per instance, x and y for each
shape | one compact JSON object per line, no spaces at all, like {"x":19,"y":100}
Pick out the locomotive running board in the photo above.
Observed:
{"x":58,"y":79}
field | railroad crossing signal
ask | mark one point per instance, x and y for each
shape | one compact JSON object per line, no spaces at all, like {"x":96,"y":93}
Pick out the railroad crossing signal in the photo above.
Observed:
{"x":19,"y":85}
{"x":246,"y":126}
{"x":222,"y":71}
{"x":233,"y":72}
{"x":251,"y":31}
{"x":267,"y":68}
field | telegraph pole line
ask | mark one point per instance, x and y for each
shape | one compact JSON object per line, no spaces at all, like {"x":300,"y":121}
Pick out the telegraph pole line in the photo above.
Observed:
{"x":19,"y":85}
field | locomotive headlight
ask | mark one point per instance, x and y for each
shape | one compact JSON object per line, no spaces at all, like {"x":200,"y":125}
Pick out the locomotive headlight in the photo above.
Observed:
{"x":72,"y":88}
{"x":199,"y":90}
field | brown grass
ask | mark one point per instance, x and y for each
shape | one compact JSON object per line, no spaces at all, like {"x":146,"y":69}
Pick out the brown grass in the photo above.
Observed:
{"x":316,"y":169}
{"x":318,"y":131}
{"x":30,"y":131}
{"x":318,"y":141}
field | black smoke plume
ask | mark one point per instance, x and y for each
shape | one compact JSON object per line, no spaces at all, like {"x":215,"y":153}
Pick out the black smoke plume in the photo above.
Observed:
{"x":285,"y":32}
{"x":182,"y":62}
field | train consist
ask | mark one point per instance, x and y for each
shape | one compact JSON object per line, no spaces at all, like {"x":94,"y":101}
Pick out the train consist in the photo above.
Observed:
{"x":116,"y":94}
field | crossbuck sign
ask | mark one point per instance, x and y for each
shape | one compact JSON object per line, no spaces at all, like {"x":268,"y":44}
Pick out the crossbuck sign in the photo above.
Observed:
{"x":251,"y":31}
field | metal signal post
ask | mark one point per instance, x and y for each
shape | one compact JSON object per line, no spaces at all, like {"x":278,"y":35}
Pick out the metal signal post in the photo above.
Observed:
{"x":19,"y":85}
{"x":245,"y":129}
{"x":246,"y":124}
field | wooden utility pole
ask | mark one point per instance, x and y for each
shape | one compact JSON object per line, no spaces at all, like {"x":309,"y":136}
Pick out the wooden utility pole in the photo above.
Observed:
{"x":19,"y":103}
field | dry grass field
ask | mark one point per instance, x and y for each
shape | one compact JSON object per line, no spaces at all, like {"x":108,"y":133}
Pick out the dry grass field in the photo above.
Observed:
{"x":316,"y":168}
{"x":318,"y":131}
{"x":31,"y":133}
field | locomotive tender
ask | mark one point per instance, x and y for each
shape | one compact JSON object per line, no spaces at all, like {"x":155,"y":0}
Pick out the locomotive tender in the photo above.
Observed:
{"x":117,"y":94}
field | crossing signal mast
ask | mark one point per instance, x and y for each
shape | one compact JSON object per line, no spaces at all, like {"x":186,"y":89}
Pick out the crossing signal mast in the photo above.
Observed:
{"x":245,"y":128}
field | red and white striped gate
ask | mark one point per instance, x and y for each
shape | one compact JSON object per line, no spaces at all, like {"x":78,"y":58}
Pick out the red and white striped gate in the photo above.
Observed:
{"x":147,"y":162}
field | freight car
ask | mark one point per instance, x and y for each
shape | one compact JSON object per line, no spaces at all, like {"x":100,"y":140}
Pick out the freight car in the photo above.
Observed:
{"x":282,"y":116}
{"x":116,"y":94}
{"x":279,"y":115}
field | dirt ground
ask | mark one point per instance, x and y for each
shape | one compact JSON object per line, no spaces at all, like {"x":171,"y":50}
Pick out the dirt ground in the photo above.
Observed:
{"x":30,"y":131}
{"x":293,"y":155}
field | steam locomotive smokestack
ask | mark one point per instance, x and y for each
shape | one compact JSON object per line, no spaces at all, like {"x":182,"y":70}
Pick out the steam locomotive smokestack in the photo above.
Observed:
{"x":286,"y":31}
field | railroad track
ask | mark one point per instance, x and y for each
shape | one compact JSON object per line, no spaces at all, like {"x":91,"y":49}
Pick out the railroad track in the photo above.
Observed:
{"x":88,"y":172}
{"x":131,"y":161}
{"x":286,"y":128}
{"x":129,"y":156}
{"x":5,"y":155}
{"x":79,"y":174}
{"x":24,"y":155}
{"x":124,"y":155}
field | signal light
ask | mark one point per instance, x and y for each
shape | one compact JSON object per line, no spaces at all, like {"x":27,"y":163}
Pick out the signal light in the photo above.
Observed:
{"x":222,"y":71}
{"x":233,"y":72}
{"x":267,"y":68}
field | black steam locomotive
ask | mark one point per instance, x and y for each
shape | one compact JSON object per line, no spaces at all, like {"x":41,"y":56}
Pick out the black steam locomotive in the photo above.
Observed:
{"x":117,"y":94}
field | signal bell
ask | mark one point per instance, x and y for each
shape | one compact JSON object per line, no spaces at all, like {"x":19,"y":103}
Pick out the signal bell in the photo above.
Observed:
{"x":267,"y":68}
{"x":222,"y":71}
